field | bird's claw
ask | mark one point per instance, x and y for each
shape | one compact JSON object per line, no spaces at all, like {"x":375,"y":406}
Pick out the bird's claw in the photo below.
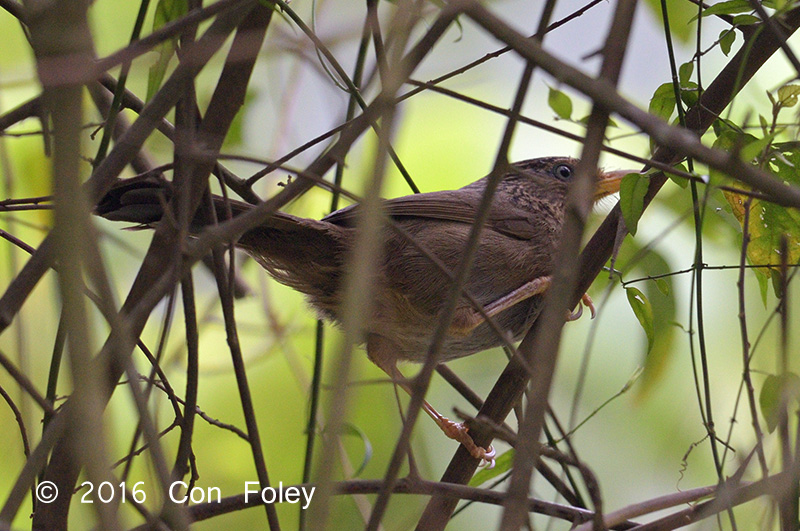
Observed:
{"x":458,"y":432}
{"x":586,"y":300}
{"x":487,"y":457}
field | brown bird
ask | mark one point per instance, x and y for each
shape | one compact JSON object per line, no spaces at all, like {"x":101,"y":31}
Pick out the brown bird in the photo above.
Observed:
{"x":510,"y":272}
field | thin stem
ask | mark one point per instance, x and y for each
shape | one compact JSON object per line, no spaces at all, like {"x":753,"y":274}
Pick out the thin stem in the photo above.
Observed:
{"x":746,"y":375}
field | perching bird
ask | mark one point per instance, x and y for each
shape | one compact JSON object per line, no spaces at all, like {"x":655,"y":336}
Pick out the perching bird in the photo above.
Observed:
{"x":510,"y":272}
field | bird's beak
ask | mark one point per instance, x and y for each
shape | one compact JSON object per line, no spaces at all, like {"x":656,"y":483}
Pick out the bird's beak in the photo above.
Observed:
{"x":608,"y":182}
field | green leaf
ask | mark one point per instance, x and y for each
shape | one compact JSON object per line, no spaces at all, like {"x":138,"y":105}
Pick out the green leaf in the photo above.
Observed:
{"x":640,"y":261}
{"x":745,"y":20}
{"x":235,"y":135}
{"x":763,"y":123}
{"x":644,"y":313}
{"x":585,"y":121}
{"x":166,"y":11}
{"x":690,"y":94}
{"x":560,"y":103}
{"x":680,"y":181}
{"x":501,"y":465}
{"x":787,"y":95}
{"x":777,"y":282}
{"x":729,"y":139}
{"x":726,"y":38}
{"x":775,"y":390}
{"x":753,"y":150}
{"x":632,"y":190}
{"x":772,"y":99}
{"x":685,"y":73}
{"x":662,"y":103}
{"x":722,"y":126}
{"x":731,"y":7}
{"x":734,"y":7}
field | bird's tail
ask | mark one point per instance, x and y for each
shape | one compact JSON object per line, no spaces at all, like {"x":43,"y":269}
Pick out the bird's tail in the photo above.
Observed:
{"x":304,"y":254}
{"x":142,"y":200}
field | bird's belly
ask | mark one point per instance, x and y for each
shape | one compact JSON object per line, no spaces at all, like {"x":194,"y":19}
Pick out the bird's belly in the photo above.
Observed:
{"x":414,"y":346}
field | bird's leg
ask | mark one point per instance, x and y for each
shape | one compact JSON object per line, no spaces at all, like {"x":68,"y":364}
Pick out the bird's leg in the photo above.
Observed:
{"x":378,"y":351}
{"x":467,"y":318}
{"x":458,"y":432}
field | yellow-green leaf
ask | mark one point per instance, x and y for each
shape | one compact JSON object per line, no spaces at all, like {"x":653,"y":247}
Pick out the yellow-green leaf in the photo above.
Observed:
{"x":679,"y":13}
{"x":768,"y":222}
{"x":663,"y":286}
{"x":787,"y":95}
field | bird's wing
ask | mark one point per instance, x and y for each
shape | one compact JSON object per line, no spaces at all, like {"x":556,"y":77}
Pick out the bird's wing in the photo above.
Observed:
{"x":445,"y":206}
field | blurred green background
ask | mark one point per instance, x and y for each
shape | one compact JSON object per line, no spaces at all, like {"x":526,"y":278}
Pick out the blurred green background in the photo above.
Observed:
{"x":641,"y":445}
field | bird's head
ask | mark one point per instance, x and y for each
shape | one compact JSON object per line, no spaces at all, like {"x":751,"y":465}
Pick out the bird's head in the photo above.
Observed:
{"x":555,"y":173}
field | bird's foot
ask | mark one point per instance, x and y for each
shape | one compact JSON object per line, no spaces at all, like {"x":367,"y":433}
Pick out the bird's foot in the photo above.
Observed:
{"x":586,"y":300}
{"x":458,"y":432}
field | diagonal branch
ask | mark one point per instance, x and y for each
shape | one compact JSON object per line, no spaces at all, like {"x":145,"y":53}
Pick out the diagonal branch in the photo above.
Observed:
{"x":740,"y":69}
{"x":540,"y":345}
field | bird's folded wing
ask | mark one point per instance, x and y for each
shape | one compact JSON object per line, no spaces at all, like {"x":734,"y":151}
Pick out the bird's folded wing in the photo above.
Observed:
{"x":446,"y":206}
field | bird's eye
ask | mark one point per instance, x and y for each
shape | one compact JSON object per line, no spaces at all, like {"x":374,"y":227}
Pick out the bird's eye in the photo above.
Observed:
{"x":563,"y":172}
